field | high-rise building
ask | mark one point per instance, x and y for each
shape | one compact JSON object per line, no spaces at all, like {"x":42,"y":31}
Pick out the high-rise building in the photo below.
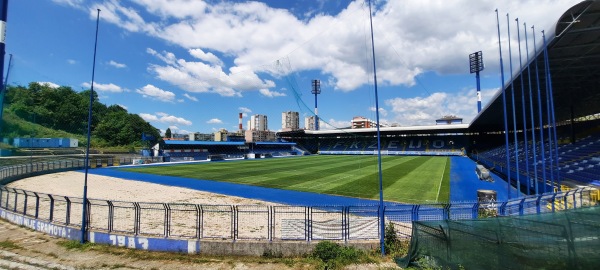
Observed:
{"x":258,"y":122}
{"x":290,"y":121}
{"x":309,"y":123}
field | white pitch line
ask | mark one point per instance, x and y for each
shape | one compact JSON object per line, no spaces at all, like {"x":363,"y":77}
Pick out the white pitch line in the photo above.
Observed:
{"x":441,"y":179}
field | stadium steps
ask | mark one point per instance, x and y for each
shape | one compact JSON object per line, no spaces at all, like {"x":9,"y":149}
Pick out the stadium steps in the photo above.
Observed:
{"x":560,"y":204}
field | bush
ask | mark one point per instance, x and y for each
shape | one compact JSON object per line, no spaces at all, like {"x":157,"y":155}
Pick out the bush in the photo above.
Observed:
{"x":392,"y":244}
{"x":335,"y":256}
{"x":326,"y":251}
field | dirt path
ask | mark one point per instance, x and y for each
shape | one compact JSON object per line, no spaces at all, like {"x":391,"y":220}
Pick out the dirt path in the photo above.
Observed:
{"x":21,"y":248}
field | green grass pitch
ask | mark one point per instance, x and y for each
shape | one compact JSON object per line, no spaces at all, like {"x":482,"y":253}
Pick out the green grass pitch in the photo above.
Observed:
{"x":408,"y":179}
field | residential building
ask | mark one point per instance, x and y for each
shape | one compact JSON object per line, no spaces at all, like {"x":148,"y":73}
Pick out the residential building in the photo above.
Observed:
{"x":290,"y":121}
{"x":258,"y":122}
{"x":362,"y":122}
{"x":309,"y":123}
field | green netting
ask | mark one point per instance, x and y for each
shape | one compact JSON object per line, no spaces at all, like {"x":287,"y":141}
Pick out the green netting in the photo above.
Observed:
{"x":562,"y":240}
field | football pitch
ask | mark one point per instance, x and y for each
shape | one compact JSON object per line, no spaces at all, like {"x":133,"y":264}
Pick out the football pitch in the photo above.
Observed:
{"x":407,"y":179}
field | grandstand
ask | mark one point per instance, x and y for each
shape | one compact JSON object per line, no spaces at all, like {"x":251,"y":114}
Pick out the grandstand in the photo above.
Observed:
{"x":556,"y":139}
{"x":420,"y":140}
{"x":273,"y":149}
{"x":174,"y":151}
{"x":418,"y":145}
{"x":579,"y":162}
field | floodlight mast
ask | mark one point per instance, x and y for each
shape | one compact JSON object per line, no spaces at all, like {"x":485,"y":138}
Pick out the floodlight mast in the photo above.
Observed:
{"x":316,"y":89}
{"x":3,"y":17}
{"x":84,"y":212}
{"x":476,"y":65}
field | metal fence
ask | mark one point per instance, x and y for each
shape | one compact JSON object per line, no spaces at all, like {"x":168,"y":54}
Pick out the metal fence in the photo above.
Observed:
{"x":252,"y":222}
{"x":31,"y":166}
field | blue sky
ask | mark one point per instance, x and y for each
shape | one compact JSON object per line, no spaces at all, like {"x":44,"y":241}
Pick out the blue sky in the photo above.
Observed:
{"x":193,"y":65}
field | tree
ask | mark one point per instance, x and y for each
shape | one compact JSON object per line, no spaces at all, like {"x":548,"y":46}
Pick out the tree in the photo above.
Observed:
{"x":64,"y":109}
{"x":168,"y":133}
{"x":121,"y":128}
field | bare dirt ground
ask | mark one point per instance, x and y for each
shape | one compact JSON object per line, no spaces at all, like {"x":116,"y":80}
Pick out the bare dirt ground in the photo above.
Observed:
{"x":21,"y":248}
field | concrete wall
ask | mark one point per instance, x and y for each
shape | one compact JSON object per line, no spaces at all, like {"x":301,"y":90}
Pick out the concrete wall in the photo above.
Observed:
{"x":190,"y":246}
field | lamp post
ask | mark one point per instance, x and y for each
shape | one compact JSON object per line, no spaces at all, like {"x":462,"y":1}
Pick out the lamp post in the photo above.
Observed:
{"x":476,"y":65}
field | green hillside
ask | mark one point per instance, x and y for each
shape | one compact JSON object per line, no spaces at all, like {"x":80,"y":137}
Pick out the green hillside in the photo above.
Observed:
{"x":14,"y":126}
{"x":45,"y":111}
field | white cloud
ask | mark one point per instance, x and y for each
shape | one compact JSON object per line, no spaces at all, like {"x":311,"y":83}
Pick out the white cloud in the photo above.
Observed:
{"x":173,"y":8}
{"x":244,"y":110}
{"x":122,"y":106}
{"x":333,"y":124}
{"x":410,"y":37}
{"x":176,"y":129}
{"x":214,"y":121}
{"x":73,"y":3}
{"x":71,"y":61}
{"x":49,"y":84}
{"x":176,"y":120}
{"x":207,"y":57}
{"x":154,"y":92}
{"x":425,"y":110}
{"x":149,"y":117}
{"x":125,"y":17}
{"x":382,"y":111}
{"x":199,"y":77}
{"x":104,"y":87}
{"x":192,"y":98}
{"x":116,"y":64}
{"x":165,"y":56}
{"x":165,"y":118}
{"x":151,"y":51}
{"x":271,"y":94}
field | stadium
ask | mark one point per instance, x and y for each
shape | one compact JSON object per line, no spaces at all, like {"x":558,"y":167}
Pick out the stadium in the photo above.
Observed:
{"x":522,"y":177}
